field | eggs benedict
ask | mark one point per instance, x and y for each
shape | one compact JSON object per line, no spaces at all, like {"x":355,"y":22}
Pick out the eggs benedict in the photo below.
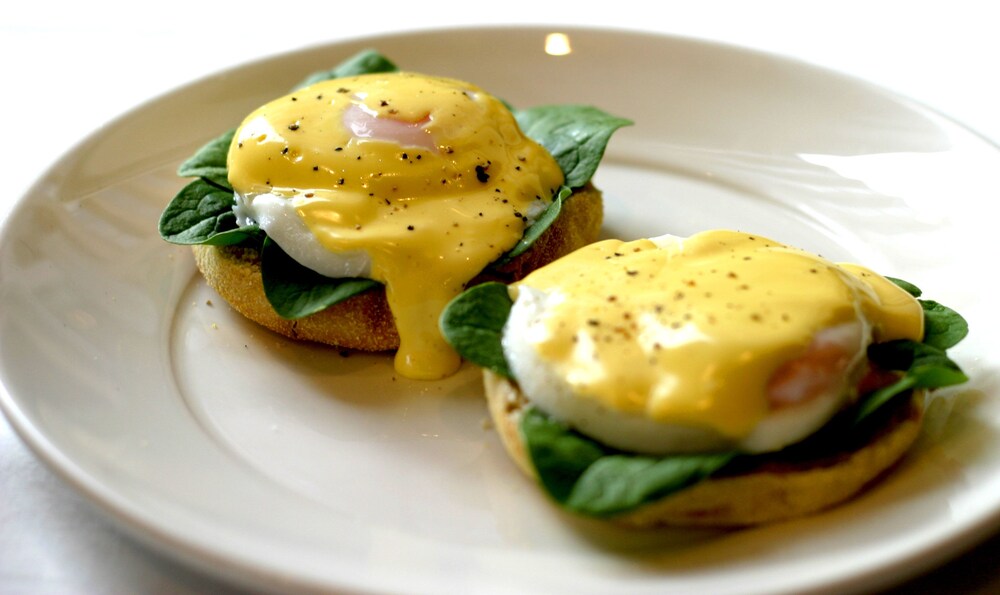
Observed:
{"x":676,"y":380}
{"x":380,"y":197}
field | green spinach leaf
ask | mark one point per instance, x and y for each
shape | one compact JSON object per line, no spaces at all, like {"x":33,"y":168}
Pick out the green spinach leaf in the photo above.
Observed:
{"x":472,"y":323}
{"x":943,"y":327}
{"x":296,"y":291}
{"x":201,"y":213}
{"x":906,"y":286}
{"x":923,"y":366}
{"x":209,"y":162}
{"x":560,"y":455}
{"x":592,"y":479}
{"x":575,"y":135}
{"x":364,"y":62}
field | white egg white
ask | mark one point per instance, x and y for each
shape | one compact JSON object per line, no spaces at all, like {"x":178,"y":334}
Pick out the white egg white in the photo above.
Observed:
{"x":278,"y":218}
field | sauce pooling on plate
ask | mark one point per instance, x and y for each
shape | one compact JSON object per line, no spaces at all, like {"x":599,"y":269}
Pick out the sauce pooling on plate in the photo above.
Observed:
{"x":416,"y":182}
{"x":720,"y":339}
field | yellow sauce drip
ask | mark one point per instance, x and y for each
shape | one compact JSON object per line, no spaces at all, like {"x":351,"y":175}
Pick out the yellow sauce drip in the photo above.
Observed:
{"x":431,"y":211}
{"x":691,"y":332}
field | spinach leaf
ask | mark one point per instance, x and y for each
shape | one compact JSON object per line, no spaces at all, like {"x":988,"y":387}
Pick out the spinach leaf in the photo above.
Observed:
{"x":923,"y":365}
{"x":943,"y":327}
{"x":589,"y":478}
{"x":560,"y":455}
{"x":295,"y":291}
{"x":879,"y":398}
{"x":473,"y":324}
{"x":364,"y":62}
{"x":201,"y":213}
{"x":575,"y":135}
{"x":209,"y":162}
{"x":906,"y":286}
{"x":620,"y":483}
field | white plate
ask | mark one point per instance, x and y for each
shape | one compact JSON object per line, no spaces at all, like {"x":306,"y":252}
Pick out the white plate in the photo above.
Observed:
{"x":291,"y":466}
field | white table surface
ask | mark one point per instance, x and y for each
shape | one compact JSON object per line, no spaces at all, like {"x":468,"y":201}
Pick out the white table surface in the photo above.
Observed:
{"x":67,"y":68}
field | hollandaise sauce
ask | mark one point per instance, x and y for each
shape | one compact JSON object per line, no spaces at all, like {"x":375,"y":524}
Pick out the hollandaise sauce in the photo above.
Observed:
{"x":690,"y":331}
{"x":430,"y":178}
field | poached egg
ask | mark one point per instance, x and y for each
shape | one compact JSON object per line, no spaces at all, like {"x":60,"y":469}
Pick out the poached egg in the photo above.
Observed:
{"x":724,"y":340}
{"x":417,"y":182}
